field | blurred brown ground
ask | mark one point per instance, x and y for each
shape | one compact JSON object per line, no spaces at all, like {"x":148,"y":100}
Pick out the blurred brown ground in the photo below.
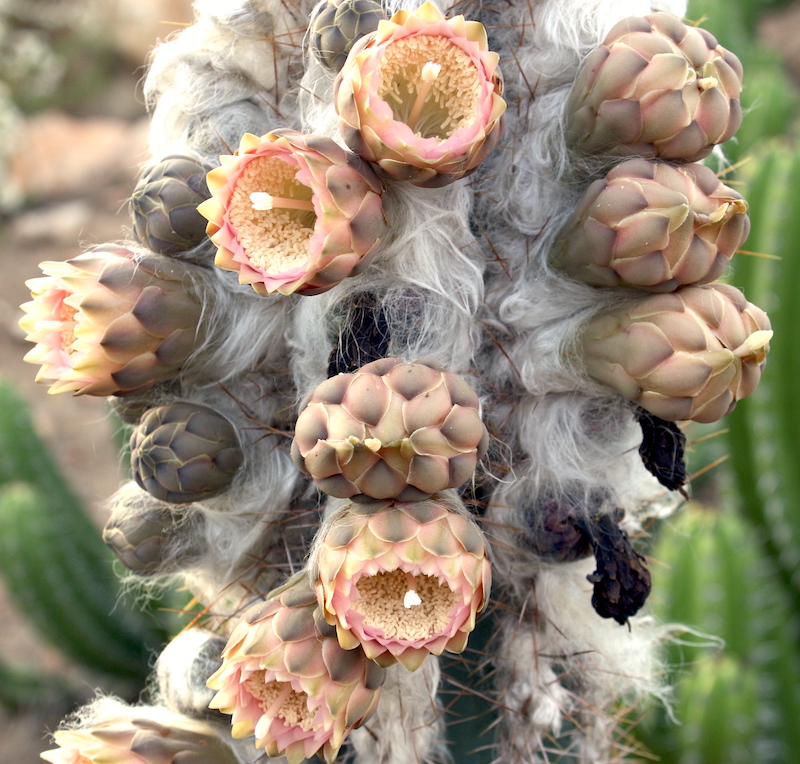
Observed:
{"x":76,"y":174}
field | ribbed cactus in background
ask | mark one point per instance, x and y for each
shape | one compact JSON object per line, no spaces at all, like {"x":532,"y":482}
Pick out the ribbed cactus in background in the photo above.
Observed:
{"x":54,"y":563}
{"x":438,"y":334}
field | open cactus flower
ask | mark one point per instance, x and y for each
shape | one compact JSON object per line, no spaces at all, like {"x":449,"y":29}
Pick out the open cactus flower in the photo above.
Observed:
{"x":285,"y":679}
{"x":110,"y":321}
{"x":422,"y":97}
{"x":402,"y":580}
{"x":690,"y":354}
{"x":390,"y":430}
{"x":293,"y":213}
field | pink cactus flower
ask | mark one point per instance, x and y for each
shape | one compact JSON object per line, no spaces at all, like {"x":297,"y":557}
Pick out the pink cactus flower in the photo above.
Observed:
{"x":402,"y":580}
{"x":110,"y":321}
{"x":285,"y":679}
{"x":293,"y":213}
{"x":421,"y":98}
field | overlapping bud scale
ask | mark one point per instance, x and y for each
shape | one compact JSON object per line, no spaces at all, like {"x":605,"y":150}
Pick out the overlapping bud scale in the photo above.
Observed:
{"x":390,"y":430}
{"x":164,"y":206}
{"x":285,"y":679}
{"x":653,"y":226}
{"x":339,"y":25}
{"x":184,"y":452}
{"x":655,"y":88}
{"x":690,"y":354}
{"x":138,"y":538}
{"x":293,"y":213}
{"x":422,"y":97}
{"x":402,"y":580}
{"x":110,"y":321}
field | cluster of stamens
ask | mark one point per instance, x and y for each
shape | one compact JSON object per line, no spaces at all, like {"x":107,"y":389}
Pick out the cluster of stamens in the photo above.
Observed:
{"x":279,"y":699}
{"x":430,"y":84}
{"x":276,"y":225}
{"x":405,"y":606}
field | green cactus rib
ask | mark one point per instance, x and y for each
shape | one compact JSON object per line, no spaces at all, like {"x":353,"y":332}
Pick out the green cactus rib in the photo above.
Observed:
{"x":717,"y":579}
{"x":22,"y":688}
{"x":54,"y":593}
{"x":772,"y":189}
{"x":54,"y":561}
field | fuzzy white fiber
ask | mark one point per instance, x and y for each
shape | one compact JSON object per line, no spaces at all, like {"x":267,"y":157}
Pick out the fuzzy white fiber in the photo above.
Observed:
{"x":463,"y":279}
{"x":558,"y":665}
{"x":407,"y":727}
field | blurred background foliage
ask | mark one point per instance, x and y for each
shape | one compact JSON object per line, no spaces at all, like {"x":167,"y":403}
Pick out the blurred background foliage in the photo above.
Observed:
{"x":727,"y":565}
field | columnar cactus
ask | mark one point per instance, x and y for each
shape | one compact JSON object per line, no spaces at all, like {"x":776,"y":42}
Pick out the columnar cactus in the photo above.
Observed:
{"x":573,"y":289}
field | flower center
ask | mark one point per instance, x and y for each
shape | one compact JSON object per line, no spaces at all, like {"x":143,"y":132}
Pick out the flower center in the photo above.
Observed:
{"x":279,"y":699}
{"x":433,"y":105}
{"x":275,"y":237}
{"x":404,"y":606}
{"x":68,"y":324}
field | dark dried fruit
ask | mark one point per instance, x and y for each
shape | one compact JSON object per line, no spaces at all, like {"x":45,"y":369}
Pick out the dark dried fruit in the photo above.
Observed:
{"x":556,"y":524}
{"x":621,"y":581}
{"x":363,"y":338}
{"x":662,"y":450}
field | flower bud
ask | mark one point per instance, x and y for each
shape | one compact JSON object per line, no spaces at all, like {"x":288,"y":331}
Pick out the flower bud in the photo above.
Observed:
{"x":655,"y":88}
{"x":690,"y":354}
{"x":109,"y":321}
{"x":390,"y":430}
{"x":141,"y":736}
{"x":164,"y":206}
{"x":184,"y":452}
{"x":653,"y":226}
{"x":339,"y":25}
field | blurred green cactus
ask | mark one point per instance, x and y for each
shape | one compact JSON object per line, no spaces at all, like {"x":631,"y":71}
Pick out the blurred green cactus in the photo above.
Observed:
{"x":54,"y":563}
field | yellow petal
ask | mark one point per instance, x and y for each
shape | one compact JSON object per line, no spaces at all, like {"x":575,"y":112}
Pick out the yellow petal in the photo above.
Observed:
{"x":249,"y":143}
{"x":476,"y":32}
{"x":217,"y":179}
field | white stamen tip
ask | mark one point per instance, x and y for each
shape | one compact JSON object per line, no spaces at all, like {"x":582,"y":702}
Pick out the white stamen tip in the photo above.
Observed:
{"x":430,"y":71}
{"x":705,"y":83}
{"x":373,"y":444}
{"x":411,"y":599}
{"x":261,"y":200}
